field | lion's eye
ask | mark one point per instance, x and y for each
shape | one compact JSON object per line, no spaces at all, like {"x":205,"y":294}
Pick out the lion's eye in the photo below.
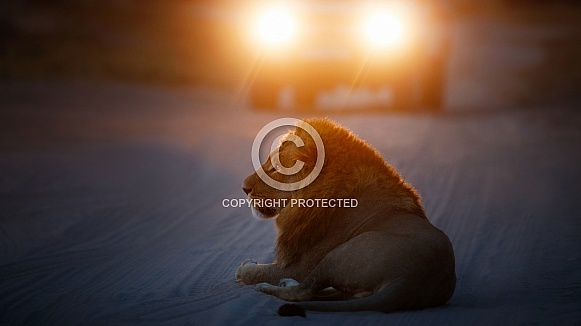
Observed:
{"x":275,"y":167}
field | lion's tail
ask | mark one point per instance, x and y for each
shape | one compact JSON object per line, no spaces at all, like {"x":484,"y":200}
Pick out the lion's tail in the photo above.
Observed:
{"x":387,"y":299}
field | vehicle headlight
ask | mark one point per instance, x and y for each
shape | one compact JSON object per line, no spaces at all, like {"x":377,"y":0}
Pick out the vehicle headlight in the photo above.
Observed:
{"x":383,"y":29}
{"x":275,"y":26}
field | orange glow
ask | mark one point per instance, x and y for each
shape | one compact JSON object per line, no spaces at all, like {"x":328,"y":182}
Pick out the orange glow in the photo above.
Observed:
{"x":390,"y":25}
{"x":275,"y":26}
{"x":383,"y":29}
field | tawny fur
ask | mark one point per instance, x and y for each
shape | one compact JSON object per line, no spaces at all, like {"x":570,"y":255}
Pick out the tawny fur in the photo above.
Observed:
{"x":310,"y":240}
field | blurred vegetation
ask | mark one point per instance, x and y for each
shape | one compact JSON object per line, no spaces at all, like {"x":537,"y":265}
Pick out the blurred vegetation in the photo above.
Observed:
{"x":181,"y":42}
{"x":165,"y":42}
{"x":556,"y":80}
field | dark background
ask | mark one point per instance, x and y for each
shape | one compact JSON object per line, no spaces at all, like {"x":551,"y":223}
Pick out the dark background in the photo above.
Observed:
{"x":179,"y":42}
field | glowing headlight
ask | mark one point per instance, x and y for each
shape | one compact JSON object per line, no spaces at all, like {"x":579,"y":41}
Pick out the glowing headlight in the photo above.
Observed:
{"x":383,"y":29}
{"x":275,"y":26}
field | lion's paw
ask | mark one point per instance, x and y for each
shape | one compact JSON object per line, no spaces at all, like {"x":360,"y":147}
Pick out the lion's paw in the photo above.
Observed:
{"x":287,"y":282}
{"x":263,"y":287}
{"x":238,"y":274}
{"x":248,"y":261}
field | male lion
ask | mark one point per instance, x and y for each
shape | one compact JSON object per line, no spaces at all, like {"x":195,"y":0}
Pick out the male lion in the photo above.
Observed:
{"x":382,"y":255}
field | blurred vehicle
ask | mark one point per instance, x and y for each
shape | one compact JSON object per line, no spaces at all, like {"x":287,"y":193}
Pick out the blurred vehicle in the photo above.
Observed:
{"x":315,"y":45}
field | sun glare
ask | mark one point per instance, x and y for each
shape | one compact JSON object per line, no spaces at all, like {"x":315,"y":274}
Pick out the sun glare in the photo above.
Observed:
{"x":383,"y":29}
{"x":275,"y":26}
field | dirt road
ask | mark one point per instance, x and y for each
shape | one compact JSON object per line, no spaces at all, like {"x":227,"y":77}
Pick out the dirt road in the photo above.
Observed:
{"x":111,"y":207}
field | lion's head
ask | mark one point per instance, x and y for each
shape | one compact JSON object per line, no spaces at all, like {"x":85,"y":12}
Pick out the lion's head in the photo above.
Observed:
{"x":350,"y":167}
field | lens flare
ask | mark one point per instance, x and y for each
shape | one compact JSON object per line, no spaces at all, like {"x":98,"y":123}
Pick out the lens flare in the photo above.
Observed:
{"x":275,"y":26}
{"x":383,"y":29}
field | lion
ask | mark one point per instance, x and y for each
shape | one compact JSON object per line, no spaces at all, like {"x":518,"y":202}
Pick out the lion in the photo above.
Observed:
{"x":382,"y":255}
